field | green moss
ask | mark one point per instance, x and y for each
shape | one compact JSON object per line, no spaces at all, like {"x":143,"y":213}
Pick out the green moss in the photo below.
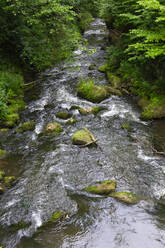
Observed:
{"x":63,"y":115}
{"x":114,"y":91}
{"x":3,"y":131}
{"x":58,"y":216}
{"x":71,"y":121}
{"x":91,"y":92}
{"x":126,"y":126}
{"x":2,"y":190}
{"x":3,"y":153}
{"x":102,"y":188}
{"x":125,"y":197}
{"x":12,"y":120}
{"x":91,"y":67}
{"x":26,"y":126}
{"x":53,"y":128}
{"x":113,"y":79}
{"x":103,"y":68}
{"x":2,"y":174}
{"x":88,"y":111}
{"x":9,"y":181}
{"x":82,"y":137}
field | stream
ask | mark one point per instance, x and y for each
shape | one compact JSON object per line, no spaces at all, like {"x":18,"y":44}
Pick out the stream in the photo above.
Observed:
{"x":51,"y":172}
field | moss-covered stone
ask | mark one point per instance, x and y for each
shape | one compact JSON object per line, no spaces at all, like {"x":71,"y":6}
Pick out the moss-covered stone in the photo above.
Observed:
{"x":103,"y":68}
{"x":91,"y":67}
{"x":12,"y":120}
{"x":3,"y":131}
{"x":2,"y":190}
{"x":126,"y":126}
{"x":57,"y":216}
{"x":102,"y":188}
{"x":125,"y":197}
{"x":26,"y":126}
{"x":53,"y":128}
{"x":2,"y":174}
{"x":9,"y":181}
{"x":71,"y":121}
{"x":63,"y":115}
{"x":83,"y":137}
{"x":3,"y":153}
{"x":114,"y":80}
{"x":94,"y":110}
{"x":91,"y":92}
{"x":114,"y":91}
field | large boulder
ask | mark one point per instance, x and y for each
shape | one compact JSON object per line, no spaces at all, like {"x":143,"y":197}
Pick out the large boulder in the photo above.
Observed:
{"x":83,"y":137}
{"x":125,"y":197}
{"x":102,"y":188}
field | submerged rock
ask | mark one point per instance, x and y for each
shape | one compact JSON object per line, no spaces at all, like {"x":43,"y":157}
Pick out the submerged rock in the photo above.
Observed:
{"x":102,"y":188}
{"x":83,"y":137}
{"x":125,"y":197}
{"x":26,"y":126}
{"x":91,"y":67}
{"x":8,"y":181}
{"x":3,"y":153}
{"x":71,"y":121}
{"x":53,"y":128}
{"x":91,"y":92}
{"x":63,"y":115}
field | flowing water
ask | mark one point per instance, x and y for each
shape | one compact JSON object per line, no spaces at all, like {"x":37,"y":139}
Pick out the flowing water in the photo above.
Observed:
{"x":51,"y":172}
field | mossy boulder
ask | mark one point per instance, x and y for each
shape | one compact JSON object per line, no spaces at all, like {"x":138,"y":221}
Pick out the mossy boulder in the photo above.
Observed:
{"x":71,"y":121}
{"x":83,"y":137}
{"x":103,"y":68}
{"x":53,"y":128}
{"x":125,"y":197}
{"x":63,"y":115}
{"x":12,"y":120}
{"x":2,"y":174}
{"x":114,"y":91}
{"x":102,"y":188}
{"x":114,"y":80}
{"x":126,"y":126}
{"x":3,"y":153}
{"x":2,"y":190}
{"x":57,"y":216}
{"x":9,"y":181}
{"x":94,"y":110}
{"x":3,"y":131}
{"x":91,"y":92}
{"x":26,"y":126}
{"x":91,"y":67}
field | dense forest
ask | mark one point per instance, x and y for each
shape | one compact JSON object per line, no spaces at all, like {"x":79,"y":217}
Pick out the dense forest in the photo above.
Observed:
{"x":35,"y":35}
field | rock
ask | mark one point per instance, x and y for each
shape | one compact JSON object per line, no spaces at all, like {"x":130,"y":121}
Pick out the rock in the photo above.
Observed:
{"x":2,"y":174}
{"x":114,"y":91}
{"x":26,"y":126}
{"x":114,"y":80}
{"x":91,"y":92}
{"x":3,"y":131}
{"x":53,"y":128}
{"x":3,"y":153}
{"x":102,"y":188}
{"x":126,"y":126}
{"x":91,"y":67}
{"x":88,"y":111}
{"x":125,"y":197}
{"x":71,"y":121}
{"x":12,"y":120}
{"x":63,"y":115}
{"x":20,"y":225}
{"x":2,"y":190}
{"x":103,"y":68}
{"x":8,"y":181}
{"x":83,"y":137}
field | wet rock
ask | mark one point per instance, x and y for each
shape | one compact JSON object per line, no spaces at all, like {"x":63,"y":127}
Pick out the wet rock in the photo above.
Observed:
{"x":12,"y":120}
{"x":3,"y":153}
{"x":71,"y":121}
{"x":102,"y":188}
{"x":114,"y":91}
{"x":9,"y":181}
{"x":94,"y":110}
{"x":83,"y":137}
{"x":2,"y":174}
{"x":125,"y":197}
{"x":53,"y":128}
{"x":63,"y":115}
{"x":57,"y":216}
{"x":114,"y":80}
{"x":91,"y":92}
{"x":26,"y":126}
{"x":103,"y":68}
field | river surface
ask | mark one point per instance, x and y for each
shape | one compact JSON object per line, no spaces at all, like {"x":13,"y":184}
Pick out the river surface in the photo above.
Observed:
{"x":51,"y":172}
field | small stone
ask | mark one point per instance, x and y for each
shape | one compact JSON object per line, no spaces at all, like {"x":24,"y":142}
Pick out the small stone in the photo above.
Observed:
{"x":102,"y":188}
{"x":54,"y":128}
{"x":91,"y":67}
{"x":58,"y":216}
{"x":126,"y":126}
{"x":83,"y":137}
{"x":63,"y":115}
{"x":125,"y":197}
{"x":71,"y":121}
